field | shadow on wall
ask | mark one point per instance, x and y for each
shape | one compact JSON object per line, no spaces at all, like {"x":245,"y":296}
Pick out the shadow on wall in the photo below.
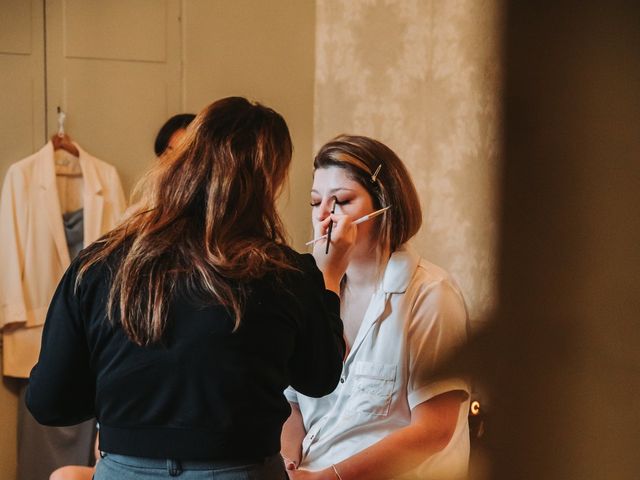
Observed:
{"x":561,"y":360}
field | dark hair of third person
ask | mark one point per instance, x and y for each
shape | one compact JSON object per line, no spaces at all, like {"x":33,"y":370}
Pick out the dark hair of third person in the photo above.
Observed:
{"x":171,"y":126}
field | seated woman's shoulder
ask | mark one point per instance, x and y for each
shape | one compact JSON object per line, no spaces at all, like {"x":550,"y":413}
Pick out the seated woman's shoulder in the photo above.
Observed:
{"x":430,"y":273}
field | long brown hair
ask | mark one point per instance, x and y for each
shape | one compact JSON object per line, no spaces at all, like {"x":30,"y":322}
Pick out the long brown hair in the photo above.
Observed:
{"x":381,"y":172}
{"x":207,"y":223}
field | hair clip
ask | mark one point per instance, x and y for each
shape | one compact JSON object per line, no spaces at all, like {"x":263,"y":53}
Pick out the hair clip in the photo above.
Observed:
{"x":374,"y":177}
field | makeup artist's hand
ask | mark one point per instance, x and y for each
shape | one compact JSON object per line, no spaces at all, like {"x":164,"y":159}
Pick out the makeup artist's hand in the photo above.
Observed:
{"x":333,"y":265}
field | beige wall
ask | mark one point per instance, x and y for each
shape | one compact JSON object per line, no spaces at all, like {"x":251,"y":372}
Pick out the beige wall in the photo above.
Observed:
{"x":423,"y":77}
{"x":264,"y":51}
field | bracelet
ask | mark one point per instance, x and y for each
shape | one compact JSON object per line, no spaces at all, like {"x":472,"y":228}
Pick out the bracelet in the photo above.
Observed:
{"x":335,"y":470}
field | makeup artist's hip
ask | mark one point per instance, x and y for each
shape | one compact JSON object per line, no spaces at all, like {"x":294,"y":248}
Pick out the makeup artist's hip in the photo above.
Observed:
{"x":122,"y":467}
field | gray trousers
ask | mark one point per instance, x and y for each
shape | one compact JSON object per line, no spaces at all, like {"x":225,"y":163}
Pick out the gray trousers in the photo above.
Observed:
{"x":43,"y":449}
{"x":120,"y":467}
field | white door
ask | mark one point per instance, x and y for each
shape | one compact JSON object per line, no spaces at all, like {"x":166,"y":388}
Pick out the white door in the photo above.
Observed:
{"x":22,"y":131}
{"x":114,"y":67}
{"x":22,"y":92}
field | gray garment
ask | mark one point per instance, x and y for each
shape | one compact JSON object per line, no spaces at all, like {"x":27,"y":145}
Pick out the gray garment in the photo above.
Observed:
{"x":74,"y":231}
{"x":122,"y":467}
{"x":43,"y":449}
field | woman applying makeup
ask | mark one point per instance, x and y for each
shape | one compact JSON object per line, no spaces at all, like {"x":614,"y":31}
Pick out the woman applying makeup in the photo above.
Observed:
{"x":180,"y":329}
{"x":389,"y":416}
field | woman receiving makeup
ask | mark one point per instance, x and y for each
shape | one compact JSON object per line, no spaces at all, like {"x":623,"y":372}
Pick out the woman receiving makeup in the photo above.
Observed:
{"x":389,"y":416}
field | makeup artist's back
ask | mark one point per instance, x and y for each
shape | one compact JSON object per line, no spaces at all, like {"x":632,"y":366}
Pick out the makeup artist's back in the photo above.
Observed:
{"x":180,"y":329}
{"x":199,"y":392}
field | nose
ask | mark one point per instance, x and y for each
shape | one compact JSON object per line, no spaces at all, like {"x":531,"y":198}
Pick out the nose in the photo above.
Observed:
{"x":324,"y":209}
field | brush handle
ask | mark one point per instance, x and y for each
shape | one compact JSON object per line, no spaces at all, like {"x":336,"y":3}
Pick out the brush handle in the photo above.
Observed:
{"x":356,"y":222}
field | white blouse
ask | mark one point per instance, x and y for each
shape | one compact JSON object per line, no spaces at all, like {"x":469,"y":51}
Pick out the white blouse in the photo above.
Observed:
{"x":414,"y":320}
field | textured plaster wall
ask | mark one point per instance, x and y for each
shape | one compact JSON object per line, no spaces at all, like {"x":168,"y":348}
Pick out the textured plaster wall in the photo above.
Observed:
{"x":424,"y":77}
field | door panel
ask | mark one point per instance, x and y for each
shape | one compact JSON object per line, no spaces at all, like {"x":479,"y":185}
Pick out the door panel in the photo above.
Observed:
{"x":22,"y":132}
{"x":114,"y":68}
{"x":21,"y":80}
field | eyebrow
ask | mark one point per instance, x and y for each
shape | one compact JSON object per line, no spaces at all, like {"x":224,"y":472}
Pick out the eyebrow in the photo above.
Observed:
{"x":334,"y":190}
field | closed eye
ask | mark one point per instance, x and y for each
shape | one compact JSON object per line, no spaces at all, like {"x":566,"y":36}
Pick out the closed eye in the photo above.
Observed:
{"x":317,"y":203}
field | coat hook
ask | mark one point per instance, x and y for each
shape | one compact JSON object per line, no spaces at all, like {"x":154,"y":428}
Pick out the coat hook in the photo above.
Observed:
{"x":61,"y":118}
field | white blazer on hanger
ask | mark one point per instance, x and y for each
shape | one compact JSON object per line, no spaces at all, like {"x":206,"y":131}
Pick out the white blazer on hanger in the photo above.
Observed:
{"x":33,"y":247}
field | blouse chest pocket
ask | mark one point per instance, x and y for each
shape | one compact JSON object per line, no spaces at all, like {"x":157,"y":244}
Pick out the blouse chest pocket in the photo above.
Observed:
{"x":372,"y":387}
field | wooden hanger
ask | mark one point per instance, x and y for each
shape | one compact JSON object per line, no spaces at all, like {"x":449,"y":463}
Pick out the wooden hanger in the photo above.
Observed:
{"x":64,"y":142}
{"x":61,"y":140}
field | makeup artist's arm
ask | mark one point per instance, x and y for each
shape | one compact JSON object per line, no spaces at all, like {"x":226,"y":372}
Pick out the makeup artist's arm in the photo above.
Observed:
{"x":333,"y":265}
